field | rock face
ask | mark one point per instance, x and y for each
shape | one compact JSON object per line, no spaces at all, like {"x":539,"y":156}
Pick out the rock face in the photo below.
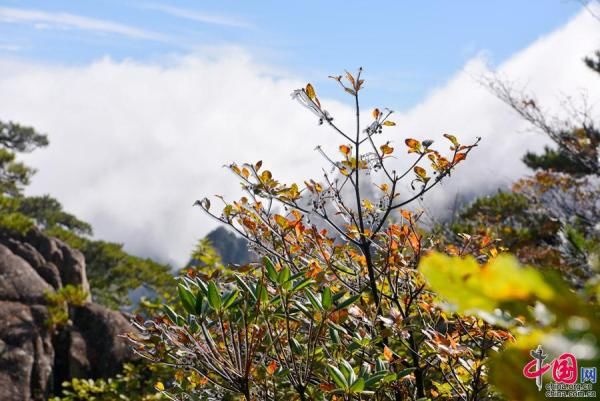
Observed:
{"x":35,"y":360}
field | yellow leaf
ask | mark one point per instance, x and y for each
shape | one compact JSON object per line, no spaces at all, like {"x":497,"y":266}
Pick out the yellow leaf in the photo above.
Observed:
{"x":179,"y":375}
{"x":235,"y":169}
{"x":386,"y":149}
{"x":420,"y":171}
{"x":367,"y":204}
{"x":159,"y":386}
{"x":389,"y":123}
{"x":245,"y":173}
{"x":452,"y":139}
{"x":310,"y":91}
{"x":351,"y":79}
{"x":281,"y":221}
{"x":266,"y":176}
{"x":413,"y":145}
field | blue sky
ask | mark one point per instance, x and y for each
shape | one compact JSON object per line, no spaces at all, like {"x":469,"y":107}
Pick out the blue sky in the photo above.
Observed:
{"x":408,"y":48}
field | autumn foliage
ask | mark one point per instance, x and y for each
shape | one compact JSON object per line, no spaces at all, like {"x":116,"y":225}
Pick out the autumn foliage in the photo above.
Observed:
{"x":336,"y":308}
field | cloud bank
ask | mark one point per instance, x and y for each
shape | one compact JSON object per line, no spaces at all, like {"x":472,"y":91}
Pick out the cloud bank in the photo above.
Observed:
{"x":133,"y":145}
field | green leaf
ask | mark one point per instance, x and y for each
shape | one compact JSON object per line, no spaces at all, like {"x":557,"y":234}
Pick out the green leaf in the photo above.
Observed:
{"x":358,"y":386}
{"x":245,"y":287}
{"x":271,"y":272}
{"x":283,"y":277}
{"x":405,"y":372}
{"x":337,"y":377}
{"x":198,"y":303}
{"x":188,"y":300}
{"x":301,"y":284}
{"x":262,"y":294}
{"x":375,"y":378}
{"x":348,"y":301}
{"x":347,"y":370}
{"x":316,"y":302}
{"x":326,"y":299}
{"x":170,"y":313}
{"x":295,"y":346}
{"x":230,"y":299}
{"x":214,"y":299}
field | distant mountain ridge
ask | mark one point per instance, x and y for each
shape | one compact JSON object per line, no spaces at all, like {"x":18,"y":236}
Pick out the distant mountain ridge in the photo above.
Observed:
{"x":232,"y":248}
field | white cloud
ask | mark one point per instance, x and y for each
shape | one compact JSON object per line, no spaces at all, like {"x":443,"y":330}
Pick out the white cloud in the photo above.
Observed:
{"x":133,"y":145}
{"x":199,"y":16}
{"x":45,"y":20}
{"x":550,"y":68}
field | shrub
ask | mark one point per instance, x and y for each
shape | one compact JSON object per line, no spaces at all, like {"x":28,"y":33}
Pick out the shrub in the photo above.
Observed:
{"x":336,"y":309}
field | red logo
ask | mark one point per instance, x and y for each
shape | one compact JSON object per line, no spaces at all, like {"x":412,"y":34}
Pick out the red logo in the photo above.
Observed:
{"x":564,"y":368}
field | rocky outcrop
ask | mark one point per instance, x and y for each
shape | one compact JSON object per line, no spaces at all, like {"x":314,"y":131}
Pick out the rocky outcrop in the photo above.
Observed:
{"x":35,"y":360}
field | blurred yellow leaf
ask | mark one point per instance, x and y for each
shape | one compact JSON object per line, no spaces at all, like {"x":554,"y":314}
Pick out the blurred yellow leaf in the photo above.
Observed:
{"x":469,"y":286}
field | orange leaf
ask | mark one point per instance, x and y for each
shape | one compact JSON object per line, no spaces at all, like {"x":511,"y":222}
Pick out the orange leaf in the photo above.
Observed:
{"x":272,"y":367}
{"x":420,"y":171}
{"x":413,"y":145}
{"x":387,"y":353}
{"x":459,"y":157}
{"x":386,"y":149}
{"x":376,"y":113}
{"x":415,"y":242}
{"x":345,"y":149}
